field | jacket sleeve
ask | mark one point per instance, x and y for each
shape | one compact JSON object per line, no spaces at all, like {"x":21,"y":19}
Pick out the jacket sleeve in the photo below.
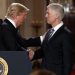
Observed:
{"x":31,"y":42}
{"x":67,"y":54}
{"x":38,"y":54}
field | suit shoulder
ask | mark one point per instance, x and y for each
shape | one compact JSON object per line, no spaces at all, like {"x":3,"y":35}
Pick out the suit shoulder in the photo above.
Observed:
{"x":67,"y":34}
{"x":67,"y":31}
{"x":4,"y":24}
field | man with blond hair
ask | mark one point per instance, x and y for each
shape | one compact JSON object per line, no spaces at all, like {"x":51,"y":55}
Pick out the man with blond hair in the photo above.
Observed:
{"x":12,"y":41}
{"x":15,"y":17}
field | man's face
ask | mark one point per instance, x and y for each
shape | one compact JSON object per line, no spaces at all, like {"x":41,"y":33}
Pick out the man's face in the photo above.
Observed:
{"x":50,"y":16}
{"x":21,"y":18}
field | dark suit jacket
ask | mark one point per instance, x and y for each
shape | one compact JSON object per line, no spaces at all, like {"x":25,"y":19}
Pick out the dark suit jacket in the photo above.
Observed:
{"x":11,"y":40}
{"x":1,"y":42}
{"x":57,"y":52}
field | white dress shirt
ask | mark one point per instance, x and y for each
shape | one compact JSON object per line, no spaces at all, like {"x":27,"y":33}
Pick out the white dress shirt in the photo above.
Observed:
{"x":55,"y":29}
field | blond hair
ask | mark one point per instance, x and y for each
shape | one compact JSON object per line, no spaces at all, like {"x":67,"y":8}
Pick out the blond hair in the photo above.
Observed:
{"x":15,"y":9}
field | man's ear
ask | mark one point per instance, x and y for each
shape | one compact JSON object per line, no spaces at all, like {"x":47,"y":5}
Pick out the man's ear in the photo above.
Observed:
{"x":57,"y":15}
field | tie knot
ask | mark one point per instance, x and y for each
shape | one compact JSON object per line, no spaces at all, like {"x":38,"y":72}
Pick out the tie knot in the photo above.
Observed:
{"x":49,"y":34}
{"x":51,"y":30}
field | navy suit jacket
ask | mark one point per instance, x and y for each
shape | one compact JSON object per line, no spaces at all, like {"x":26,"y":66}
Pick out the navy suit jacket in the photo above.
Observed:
{"x":56,"y":53}
{"x":11,"y":40}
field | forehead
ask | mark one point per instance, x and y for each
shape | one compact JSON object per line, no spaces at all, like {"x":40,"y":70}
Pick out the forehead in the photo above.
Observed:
{"x":49,"y":10}
{"x":23,"y":13}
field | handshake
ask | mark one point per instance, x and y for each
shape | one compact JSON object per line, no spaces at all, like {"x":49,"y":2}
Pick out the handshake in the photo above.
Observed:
{"x":30,"y":53}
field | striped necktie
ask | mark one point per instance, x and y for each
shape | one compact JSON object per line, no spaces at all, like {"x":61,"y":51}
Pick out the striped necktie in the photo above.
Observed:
{"x":49,"y":34}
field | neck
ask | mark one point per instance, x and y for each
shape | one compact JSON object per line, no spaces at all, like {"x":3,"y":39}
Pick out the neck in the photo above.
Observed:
{"x":56,"y":23}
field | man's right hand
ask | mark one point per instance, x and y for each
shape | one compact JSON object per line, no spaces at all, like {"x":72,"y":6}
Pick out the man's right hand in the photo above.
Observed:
{"x":30,"y":54}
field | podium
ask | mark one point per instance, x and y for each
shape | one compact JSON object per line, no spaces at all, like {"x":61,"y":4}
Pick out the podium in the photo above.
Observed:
{"x":17,"y":61}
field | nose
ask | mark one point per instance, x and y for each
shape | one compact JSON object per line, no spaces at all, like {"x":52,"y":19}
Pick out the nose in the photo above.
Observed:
{"x":46,"y":16}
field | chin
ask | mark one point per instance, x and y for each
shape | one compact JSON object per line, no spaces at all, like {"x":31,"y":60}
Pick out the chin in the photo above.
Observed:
{"x":48,"y":22}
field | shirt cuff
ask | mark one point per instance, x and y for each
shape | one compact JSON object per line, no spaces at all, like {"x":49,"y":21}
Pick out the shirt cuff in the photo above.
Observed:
{"x":41,"y":38}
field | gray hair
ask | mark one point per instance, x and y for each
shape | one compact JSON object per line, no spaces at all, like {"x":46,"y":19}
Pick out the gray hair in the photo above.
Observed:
{"x":15,"y":9}
{"x":58,"y":8}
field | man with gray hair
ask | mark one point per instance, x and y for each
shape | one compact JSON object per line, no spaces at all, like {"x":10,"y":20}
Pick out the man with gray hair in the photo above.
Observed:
{"x":57,"y":43}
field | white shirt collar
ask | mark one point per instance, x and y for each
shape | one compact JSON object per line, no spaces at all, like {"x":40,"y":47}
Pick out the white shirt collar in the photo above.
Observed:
{"x":13,"y":23}
{"x":55,"y":29}
{"x":58,"y":26}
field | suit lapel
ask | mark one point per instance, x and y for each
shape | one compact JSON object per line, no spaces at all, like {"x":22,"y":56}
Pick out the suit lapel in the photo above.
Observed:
{"x":59,"y":31}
